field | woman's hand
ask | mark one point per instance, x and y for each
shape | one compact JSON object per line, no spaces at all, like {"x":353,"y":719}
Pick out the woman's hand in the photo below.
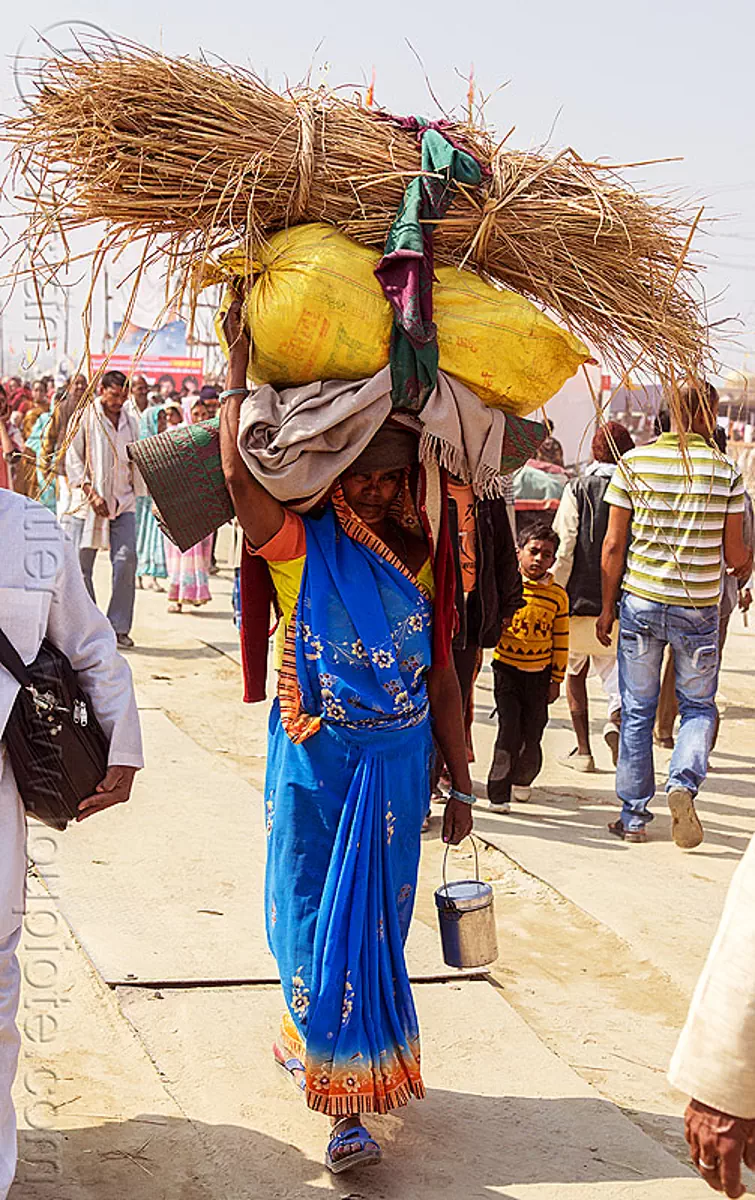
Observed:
{"x":457,"y":821}
{"x":235,"y":333}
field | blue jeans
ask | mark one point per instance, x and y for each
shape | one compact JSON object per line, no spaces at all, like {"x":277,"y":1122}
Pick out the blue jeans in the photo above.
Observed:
{"x":645,"y":628}
{"x":120,"y":611}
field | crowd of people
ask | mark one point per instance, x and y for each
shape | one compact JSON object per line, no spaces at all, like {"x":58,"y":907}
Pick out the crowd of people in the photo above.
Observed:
{"x":540,"y":600}
{"x":76,"y":464}
{"x":663,"y":538}
{"x":629,"y":567}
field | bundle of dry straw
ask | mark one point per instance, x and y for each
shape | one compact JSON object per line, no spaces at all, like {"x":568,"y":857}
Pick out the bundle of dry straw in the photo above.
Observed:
{"x":196,"y":157}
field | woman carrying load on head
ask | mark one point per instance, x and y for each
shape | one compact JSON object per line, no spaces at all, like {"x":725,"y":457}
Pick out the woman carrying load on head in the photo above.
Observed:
{"x":347,"y":784}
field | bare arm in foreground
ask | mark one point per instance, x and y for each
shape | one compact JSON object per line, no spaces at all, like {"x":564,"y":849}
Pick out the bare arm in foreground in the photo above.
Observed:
{"x":714,"y":1061}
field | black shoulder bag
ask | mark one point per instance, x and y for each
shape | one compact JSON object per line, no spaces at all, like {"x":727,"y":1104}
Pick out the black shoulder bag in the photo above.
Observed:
{"x":55,"y":743}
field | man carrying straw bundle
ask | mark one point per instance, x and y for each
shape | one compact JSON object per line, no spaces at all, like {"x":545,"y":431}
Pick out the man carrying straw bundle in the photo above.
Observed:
{"x":347,"y":783}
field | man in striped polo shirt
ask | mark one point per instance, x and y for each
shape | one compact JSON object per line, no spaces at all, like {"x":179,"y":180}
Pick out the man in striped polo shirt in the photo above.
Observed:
{"x":682,"y":502}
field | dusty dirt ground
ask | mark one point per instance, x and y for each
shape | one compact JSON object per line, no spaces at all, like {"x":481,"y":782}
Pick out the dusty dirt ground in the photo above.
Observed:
{"x":546,"y":1075}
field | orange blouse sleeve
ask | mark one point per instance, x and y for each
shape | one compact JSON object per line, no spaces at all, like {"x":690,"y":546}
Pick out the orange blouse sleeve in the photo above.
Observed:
{"x":288,"y":543}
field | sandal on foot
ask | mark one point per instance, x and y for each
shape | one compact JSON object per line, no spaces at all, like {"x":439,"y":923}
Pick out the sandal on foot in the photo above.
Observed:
{"x":290,"y":1065}
{"x":369,"y":1153}
{"x":619,"y":829}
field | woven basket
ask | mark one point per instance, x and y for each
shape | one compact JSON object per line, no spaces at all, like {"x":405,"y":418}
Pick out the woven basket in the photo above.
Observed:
{"x":182,"y":470}
{"x":520,"y":441}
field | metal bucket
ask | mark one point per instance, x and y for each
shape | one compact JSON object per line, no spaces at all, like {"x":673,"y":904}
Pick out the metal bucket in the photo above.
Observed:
{"x":467,"y":920}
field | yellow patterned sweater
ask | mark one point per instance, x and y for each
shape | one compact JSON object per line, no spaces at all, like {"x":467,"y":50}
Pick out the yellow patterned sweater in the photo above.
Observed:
{"x":538,"y":634}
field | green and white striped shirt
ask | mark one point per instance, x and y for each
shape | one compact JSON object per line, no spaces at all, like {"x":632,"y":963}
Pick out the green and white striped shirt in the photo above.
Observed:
{"x":678,"y":514}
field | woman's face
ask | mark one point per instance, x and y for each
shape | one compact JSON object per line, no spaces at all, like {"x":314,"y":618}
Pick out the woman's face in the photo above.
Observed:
{"x":162,"y":421}
{"x":198,"y":413}
{"x":174,"y":416}
{"x":371,"y":493}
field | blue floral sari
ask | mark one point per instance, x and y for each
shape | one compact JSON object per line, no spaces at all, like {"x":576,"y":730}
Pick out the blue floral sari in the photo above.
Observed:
{"x":346,"y":792}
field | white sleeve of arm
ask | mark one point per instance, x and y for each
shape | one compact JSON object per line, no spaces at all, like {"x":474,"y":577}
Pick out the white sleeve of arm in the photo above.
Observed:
{"x":566,"y":525}
{"x":76,"y":464}
{"x":78,"y":628}
{"x":714,"y":1061}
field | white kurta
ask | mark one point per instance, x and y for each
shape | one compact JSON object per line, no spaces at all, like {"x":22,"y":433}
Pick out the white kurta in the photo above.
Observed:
{"x":97,"y":455}
{"x":714,"y":1061}
{"x":42,"y":594}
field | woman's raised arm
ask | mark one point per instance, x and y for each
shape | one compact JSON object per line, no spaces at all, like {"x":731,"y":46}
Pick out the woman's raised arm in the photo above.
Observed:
{"x":260,"y":514}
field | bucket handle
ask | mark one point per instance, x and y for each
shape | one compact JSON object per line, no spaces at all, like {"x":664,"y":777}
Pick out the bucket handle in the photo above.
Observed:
{"x":476,"y":861}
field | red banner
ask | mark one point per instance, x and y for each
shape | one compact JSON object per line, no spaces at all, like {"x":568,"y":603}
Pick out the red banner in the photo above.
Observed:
{"x":154,"y":369}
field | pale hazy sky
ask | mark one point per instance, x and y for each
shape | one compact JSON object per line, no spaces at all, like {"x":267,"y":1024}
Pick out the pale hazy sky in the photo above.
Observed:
{"x":624,"y":82}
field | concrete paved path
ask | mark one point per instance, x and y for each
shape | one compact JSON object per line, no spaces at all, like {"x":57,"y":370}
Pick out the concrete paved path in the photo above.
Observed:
{"x":170,"y":1092}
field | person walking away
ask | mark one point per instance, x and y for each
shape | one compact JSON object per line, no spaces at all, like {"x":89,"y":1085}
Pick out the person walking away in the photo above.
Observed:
{"x":529,"y":664}
{"x":682,"y":503}
{"x":150,"y":540}
{"x":43,"y":596}
{"x":189,"y":570}
{"x":735,"y":593}
{"x":103,"y":498}
{"x":714,"y":1061}
{"x":581,"y":522}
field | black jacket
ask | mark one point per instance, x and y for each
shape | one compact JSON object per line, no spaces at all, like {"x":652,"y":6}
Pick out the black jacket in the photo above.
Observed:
{"x":584,"y":586}
{"x":498,"y":592}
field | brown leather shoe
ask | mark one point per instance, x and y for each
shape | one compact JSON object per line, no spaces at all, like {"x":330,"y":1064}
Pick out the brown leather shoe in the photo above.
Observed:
{"x":619,"y":830}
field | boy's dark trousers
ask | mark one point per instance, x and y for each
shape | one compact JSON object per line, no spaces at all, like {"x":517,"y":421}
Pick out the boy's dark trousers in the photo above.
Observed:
{"x":521,"y":698}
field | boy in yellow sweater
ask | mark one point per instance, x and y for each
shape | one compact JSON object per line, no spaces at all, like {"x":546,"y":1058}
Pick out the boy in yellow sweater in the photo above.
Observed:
{"x":529,"y":665}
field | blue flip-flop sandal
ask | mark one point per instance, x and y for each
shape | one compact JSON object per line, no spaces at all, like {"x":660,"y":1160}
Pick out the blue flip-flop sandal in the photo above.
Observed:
{"x":290,"y":1065}
{"x":368,"y":1155}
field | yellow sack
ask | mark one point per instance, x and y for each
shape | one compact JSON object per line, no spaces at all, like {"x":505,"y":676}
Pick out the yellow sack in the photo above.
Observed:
{"x":316,"y":311}
{"x":499,"y":344}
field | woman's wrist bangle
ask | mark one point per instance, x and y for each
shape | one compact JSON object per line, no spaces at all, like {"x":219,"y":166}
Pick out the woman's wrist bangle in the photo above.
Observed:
{"x":465,"y":797}
{"x":239,"y":391}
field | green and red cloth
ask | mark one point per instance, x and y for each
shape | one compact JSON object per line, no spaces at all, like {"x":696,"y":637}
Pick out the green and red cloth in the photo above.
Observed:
{"x":405,"y":271}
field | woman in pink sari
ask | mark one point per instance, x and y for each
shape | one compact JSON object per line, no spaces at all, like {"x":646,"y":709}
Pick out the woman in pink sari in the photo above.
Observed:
{"x":189,"y":572}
